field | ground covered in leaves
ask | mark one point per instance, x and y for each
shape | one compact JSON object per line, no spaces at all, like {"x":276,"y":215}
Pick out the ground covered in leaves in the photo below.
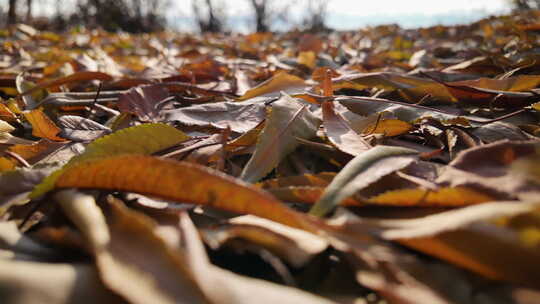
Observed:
{"x":380,"y":165}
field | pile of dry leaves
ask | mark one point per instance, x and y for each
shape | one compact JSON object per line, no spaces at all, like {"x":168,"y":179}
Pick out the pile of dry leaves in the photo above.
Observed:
{"x":383,"y":164}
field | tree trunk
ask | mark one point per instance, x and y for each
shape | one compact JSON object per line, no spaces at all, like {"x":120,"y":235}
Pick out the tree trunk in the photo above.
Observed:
{"x":261,"y":15}
{"x":12,"y":12}
{"x":29,"y":10}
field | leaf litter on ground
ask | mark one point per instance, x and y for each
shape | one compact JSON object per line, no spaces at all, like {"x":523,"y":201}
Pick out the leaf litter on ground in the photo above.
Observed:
{"x":378,"y":164}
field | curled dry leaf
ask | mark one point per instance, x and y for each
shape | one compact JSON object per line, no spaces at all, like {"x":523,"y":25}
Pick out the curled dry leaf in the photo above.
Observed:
{"x":295,"y":246}
{"x":287,"y":121}
{"x":158,"y":273}
{"x":78,"y":128}
{"x":235,"y":288}
{"x":340,"y":133}
{"x":363,"y":170}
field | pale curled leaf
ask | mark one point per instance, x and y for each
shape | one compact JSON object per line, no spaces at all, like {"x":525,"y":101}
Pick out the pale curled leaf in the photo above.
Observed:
{"x":287,"y":121}
{"x":5,"y":127}
{"x":363,"y":170}
{"x":123,"y":261}
{"x":295,"y":246}
{"x":340,"y":133}
{"x":59,"y":283}
{"x":234,"y":288}
{"x":78,"y":128}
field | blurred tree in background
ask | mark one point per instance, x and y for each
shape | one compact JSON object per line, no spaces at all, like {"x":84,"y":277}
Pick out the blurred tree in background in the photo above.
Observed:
{"x":209,"y":16}
{"x":126,"y":15}
{"x":526,"y":4}
{"x":314,"y":20}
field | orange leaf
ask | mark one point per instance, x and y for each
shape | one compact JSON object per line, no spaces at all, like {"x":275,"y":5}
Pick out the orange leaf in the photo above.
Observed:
{"x":42,"y":125}
{"x":179,"y":181}
{"x":444,"y":197}
{"x":389,"y":127}
{"x":76,"y":77}
{"x":6,"y":164}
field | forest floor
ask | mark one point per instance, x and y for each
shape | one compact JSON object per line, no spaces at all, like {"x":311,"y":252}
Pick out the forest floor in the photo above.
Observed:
{"x":383,"y":165}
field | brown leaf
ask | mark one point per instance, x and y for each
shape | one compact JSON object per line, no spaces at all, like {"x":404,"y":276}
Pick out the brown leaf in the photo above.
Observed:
{"x":143,"y":101}
{"x":340,"y":133}
{"x":240,"y":117}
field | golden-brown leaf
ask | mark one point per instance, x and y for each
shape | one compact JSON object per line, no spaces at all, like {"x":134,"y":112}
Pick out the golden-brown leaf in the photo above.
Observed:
{"x":279,"y":82}
{"x":388,"y":127}
{"x":178,"y":181}
{"x":42,"y":125}
{"x":443,"y":197}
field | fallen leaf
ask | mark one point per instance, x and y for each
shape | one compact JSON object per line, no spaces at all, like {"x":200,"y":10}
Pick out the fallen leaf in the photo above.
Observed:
{"x":286,"y":121}
{"x":280,"y":82}
{"x":143,"y":101}
{"x":158,"y":272}
{"x":42,"y":125}
{"x":340,"y":133}
{"x":142,"y":139}
{"x":78,"y":128}
{"x":296,"y":246}
{"x":363,"y":170}
{"x":170,"y":180}
{"x":239,"y":116}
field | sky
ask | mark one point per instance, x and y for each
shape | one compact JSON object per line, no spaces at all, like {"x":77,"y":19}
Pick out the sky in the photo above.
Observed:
{"x":351,"y":14}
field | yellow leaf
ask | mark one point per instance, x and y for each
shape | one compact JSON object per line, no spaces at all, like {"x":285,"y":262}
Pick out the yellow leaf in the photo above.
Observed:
{"x":388,"y":127}
{"x":42,"y":125}
{"x":308,"y":59}
{"x":6,"y":164}
{"x":536,"y":106}
{"x":6,"y":113}
{"x":279,"y":82}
